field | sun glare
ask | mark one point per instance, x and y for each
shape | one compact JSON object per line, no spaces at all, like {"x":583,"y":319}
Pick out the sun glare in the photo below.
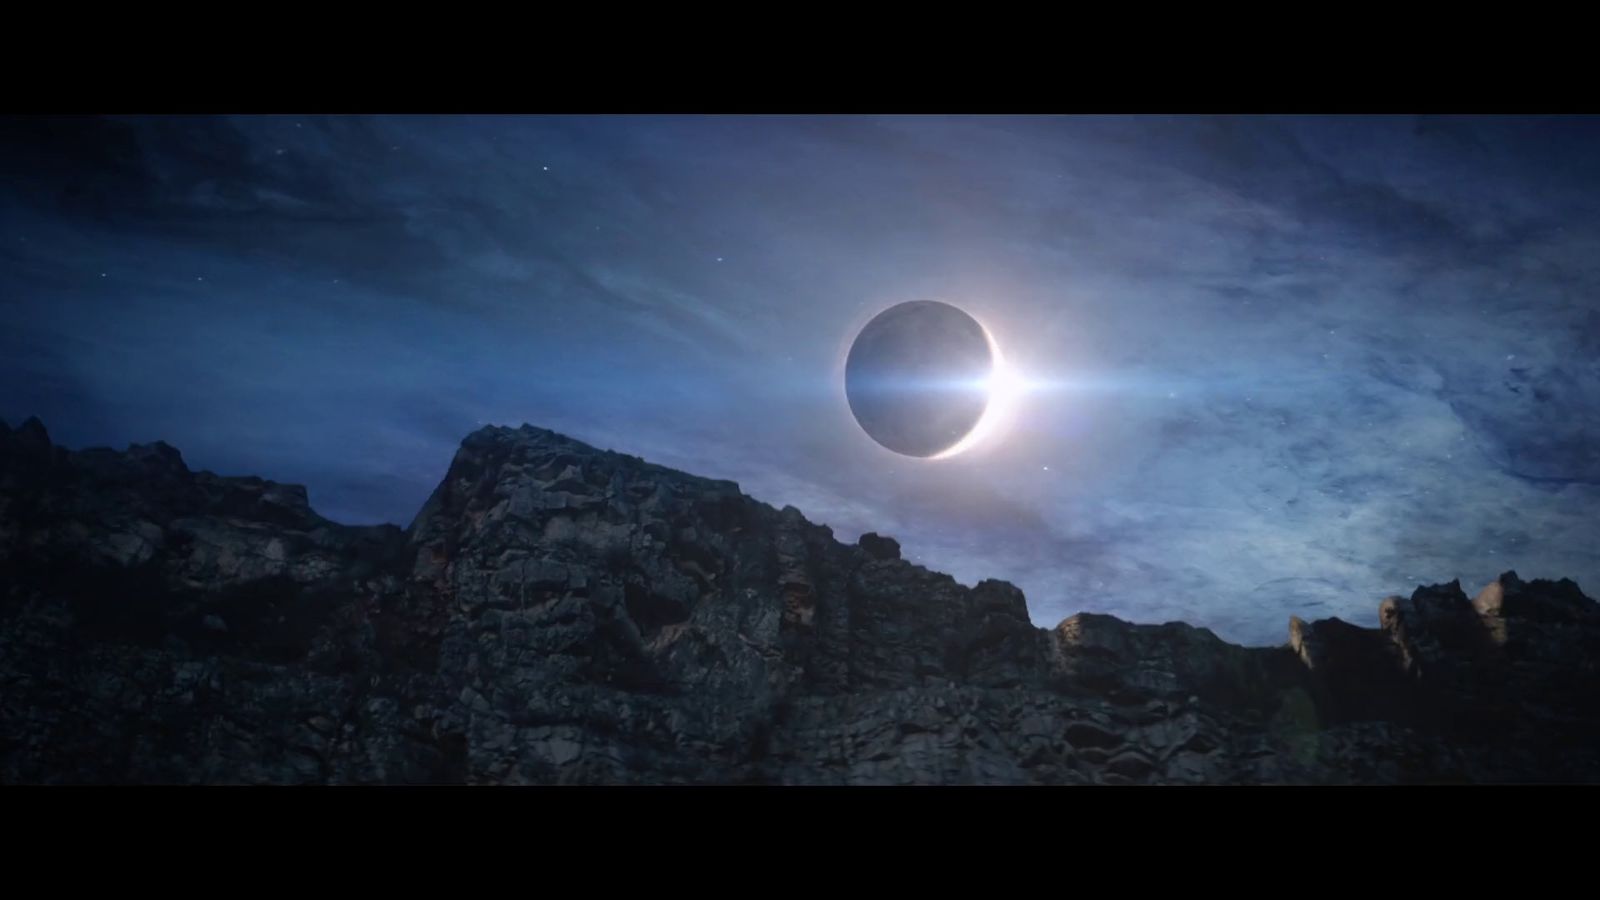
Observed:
{"x":1006,"y":386}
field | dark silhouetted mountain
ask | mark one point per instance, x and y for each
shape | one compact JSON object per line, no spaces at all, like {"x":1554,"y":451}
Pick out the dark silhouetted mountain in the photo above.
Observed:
{"x":558,"y":613}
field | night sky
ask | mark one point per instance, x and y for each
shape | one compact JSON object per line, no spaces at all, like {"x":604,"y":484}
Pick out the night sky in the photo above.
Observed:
{"x":1280,"y":366}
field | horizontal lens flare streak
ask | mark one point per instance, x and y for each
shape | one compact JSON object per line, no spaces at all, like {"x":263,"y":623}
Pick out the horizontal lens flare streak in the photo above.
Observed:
{"x":919,"y":386}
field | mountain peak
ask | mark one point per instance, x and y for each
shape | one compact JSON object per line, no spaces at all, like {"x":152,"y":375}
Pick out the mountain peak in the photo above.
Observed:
{"x":561,"y":613}
{"x":32,"y":431}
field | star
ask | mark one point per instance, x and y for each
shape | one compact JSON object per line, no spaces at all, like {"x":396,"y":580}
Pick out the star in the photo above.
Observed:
{"x":547,"y":168}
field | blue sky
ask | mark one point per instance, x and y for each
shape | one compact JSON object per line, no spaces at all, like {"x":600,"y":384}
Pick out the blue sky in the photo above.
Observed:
{"x":1291,"y":365}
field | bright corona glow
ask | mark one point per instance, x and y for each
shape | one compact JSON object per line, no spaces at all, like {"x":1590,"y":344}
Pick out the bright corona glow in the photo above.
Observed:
{"x":1006,"y":387}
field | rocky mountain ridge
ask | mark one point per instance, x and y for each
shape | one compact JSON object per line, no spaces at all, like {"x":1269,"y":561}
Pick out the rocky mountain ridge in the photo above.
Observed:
{"x":562,"y":614}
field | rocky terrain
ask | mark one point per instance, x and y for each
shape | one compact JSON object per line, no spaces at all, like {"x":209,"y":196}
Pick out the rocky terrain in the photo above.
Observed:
{"x":561,"y":614}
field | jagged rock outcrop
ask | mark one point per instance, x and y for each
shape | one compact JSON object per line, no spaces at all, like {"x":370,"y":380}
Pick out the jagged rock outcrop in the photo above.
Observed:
{"x":560,"y":614}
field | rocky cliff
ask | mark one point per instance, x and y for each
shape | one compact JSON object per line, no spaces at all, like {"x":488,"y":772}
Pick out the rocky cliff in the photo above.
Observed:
{"x":561,"y":614}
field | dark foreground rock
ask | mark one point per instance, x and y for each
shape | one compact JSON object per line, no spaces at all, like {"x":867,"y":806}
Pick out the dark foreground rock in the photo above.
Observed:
{"x":559,"y":614}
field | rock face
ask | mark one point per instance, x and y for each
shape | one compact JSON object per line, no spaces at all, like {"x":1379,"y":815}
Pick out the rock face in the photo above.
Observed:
{"x":559,"y":614}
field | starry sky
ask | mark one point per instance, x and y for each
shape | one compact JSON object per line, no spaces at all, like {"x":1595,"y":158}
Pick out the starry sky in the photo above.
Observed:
{"x":1281,"y":366}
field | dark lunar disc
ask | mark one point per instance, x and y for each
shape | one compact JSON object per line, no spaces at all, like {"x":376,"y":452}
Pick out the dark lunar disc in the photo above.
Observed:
{"x":915,"y":377}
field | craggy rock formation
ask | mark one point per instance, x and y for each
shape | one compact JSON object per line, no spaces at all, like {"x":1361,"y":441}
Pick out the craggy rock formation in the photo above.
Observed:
{"x":560,"y":614}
